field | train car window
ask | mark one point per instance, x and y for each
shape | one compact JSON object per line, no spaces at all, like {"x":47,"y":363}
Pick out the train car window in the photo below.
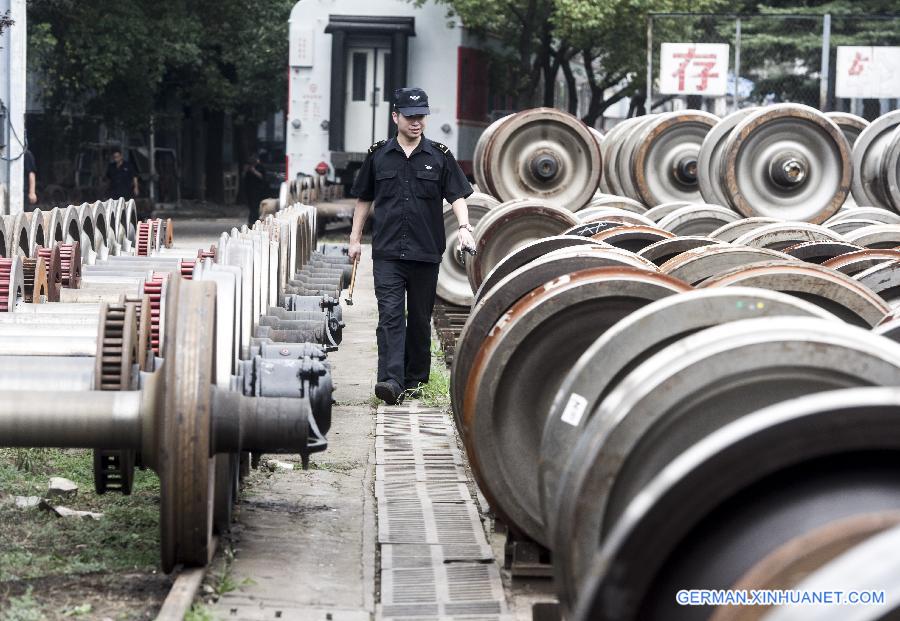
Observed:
{"x":360,"y":60}
{"x":388,"y":89}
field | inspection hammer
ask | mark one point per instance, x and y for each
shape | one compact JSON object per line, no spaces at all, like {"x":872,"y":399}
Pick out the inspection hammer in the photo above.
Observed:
{"x":349,"y":298}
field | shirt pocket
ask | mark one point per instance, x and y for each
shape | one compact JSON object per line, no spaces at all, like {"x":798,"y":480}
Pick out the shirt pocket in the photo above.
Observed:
{"x":427,"y":184}
{"x":385,"y":183}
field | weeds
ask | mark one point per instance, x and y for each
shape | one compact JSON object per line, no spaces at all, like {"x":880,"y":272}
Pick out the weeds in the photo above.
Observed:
{"x":22,"y":608}
{"x":37,"y":544}
{"x":199,"y":612}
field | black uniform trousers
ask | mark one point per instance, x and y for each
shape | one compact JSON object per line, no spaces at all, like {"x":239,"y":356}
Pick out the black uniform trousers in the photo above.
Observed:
{"x":404,"y":343}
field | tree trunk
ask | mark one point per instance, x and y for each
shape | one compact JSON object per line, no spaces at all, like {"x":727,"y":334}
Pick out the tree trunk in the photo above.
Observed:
{"x":215,"y":170}
{"x":571,"y":85}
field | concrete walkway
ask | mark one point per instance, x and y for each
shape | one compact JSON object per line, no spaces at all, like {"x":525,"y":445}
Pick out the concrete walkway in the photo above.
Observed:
{"x":305,"y":540}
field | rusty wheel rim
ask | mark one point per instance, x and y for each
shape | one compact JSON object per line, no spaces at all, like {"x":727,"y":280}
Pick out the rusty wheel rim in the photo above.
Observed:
{"x":788,"y":161}
{"x":665,"y":162}
{"x":544,"y":153}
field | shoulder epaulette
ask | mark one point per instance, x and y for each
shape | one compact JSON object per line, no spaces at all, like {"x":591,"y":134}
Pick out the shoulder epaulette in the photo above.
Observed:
{"x":441,"y":147}
{"x":377,"y":146}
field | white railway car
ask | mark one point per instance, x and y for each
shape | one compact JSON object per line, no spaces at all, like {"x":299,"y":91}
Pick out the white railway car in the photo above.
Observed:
{"x":346,"y":59}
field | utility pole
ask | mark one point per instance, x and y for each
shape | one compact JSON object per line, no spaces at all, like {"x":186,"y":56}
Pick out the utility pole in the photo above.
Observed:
{"x":12,"y":106}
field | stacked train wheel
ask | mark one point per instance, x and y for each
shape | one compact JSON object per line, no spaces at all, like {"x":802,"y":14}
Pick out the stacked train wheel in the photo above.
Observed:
{"x":661,"y":387}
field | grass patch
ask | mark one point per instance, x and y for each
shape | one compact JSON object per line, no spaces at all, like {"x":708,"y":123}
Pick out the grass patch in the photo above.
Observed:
{"x":436,"y":393}
{"x":22,"y":608}
{"x":37,"y":544}
{"x":199,"y":612}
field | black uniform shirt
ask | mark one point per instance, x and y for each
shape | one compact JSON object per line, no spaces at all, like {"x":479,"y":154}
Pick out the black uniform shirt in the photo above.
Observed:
{"x":408,"y":220}
{"x":121,"y":179}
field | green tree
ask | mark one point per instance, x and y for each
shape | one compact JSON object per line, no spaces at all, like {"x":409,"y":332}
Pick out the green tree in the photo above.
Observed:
{"x":5,"y":22}
{"x":603,"y":41}
{"x":127,"y":61}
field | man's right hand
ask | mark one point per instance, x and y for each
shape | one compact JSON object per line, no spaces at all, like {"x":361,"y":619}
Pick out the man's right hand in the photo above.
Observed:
{"x":355,"y":250}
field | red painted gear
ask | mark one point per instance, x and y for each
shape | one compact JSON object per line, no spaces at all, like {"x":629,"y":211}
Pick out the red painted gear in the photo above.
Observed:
{"x":153,"y":288}
{"x":187,"y":269}
{"x":70,"y":265}
{"x":6,"y":277}
{"x":207,"y":254}
{"x":144,"y":243}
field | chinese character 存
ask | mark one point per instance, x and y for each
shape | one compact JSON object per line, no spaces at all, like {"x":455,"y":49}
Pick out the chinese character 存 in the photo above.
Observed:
{"x":706,"y":66}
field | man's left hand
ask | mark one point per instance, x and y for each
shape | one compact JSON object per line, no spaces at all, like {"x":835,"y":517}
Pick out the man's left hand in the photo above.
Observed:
{"x":465,"y":240}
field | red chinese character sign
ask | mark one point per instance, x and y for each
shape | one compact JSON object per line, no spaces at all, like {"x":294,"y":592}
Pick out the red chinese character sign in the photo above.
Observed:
{"x":693,"y":69}
{"x":867,"y":72}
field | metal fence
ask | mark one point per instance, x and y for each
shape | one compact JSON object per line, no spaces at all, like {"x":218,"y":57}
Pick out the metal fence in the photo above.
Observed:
{"x":777,"y":57}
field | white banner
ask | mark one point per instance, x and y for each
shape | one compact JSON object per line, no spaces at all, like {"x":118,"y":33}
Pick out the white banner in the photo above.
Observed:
{"x":867,"y":72}
{"x":693,"y":69}
{"x":302,"y":41}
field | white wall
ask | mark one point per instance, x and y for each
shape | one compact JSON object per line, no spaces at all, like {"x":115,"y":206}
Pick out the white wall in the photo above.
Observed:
{"x":432,"y":65}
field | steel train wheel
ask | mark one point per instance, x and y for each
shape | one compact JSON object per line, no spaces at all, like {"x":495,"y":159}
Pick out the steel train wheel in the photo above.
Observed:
{"x":665,"y":161}
{"x":835,"y":292}
{"x":820,"y":251}
{"x":666,"y":249}
{"x":187,"y":472}
{"x":544,"y":153}
{"x":571,"y":433}
{"x":868,"y":156}
{"x":611,"y":145}
{"x":875,"y":236}
{"x":632,"y":238}
{"x":711,"y":379}
{"x":528,"y":253}
{"x":520,"y":363}
{"x":829,"y":456}
{"x":611,"y":200}
{"x":849,"y":124}
{"x":788,"y":161}
{"x":491,"y":306}
{"x":781,"y":235}
{"x":868,"y":213}
{"x":731,"y":232}
{"x":696,"y":265}
{"x":697,"y":219}
{"x":479,"y":163}
{"x":709,"y":159}
{"x":628,"y":343}
{"x":510,"y":226}
{"x":855,"y":262}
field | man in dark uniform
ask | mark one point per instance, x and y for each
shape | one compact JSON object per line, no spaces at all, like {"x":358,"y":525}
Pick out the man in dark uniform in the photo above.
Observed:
{"x":407,"y":178}
{"x":123,"y":181}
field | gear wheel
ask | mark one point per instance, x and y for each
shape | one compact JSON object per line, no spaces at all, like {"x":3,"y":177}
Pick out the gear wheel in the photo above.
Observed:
{"x":70,"y":265}
{"x":146,"y":239}
{"x":187,"y":269}
{"x":53,"y":264}
{"x":10,"y":285}
{"x":34,"y":272}
{"x":117,"y":350}
{"x":155,"y":289}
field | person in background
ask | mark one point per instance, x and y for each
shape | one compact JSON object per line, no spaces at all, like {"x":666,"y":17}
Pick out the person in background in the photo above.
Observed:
{"x":123,"y":181}
{"x":255,"y":187}
{"x":30,"y":183}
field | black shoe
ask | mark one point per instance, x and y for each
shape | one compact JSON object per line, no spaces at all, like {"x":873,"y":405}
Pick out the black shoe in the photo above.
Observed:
{"x":389,"y":392}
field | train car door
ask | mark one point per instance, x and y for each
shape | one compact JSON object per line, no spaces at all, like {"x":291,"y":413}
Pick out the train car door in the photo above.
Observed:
{"x":368,"y":99}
